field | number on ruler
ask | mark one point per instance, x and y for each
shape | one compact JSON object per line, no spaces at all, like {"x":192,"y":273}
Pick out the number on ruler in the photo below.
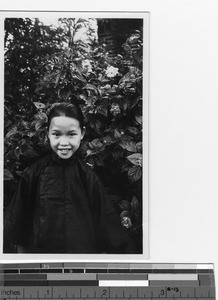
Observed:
{"x":45,"y":266}
{"x":162,"y":292}
{"x":104,"y":293}
{"x":173,"y":289}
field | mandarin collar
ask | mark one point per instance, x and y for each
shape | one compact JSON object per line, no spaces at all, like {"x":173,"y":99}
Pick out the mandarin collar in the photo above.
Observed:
{"x":63,"y":162}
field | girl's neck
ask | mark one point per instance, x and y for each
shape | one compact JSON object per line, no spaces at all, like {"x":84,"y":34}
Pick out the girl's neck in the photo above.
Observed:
{"x":62,"y":161}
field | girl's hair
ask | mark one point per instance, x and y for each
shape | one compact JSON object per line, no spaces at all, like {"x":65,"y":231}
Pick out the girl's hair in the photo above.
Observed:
{"x":66,"y":109}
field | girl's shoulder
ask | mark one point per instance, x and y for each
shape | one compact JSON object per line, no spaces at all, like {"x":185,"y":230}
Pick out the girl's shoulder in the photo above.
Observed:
{"x":38,"y":165}
{"x":84,"y":166}
{"x":88,"y":171}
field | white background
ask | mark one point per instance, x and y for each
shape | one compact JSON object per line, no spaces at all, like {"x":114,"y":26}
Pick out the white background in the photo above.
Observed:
{"x":183,"y":122}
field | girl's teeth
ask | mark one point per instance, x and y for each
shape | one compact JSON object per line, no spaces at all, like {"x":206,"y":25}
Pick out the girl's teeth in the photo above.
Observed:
{"x":64,"y":151}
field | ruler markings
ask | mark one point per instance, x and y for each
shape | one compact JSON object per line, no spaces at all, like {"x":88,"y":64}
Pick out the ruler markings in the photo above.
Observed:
{"x":73,"y":270}
{"x":122,"y":277}
{"x":203,"y":288}
{"x":68,"y":270}
{"x":71,"y":276}
{"x":205,"y":266}
{"x":27,"y":277}
{"x":178,"y":284}
{"x":111,"y":265}
{"x":204,"y":271}
{"x":177,"y":277}
{"x":96,"y":270}
{"x":28,"y":271}
{"x":9,"y":271}
{"x":173,"y":271}
{"x":50,"y":271}
{"x":147,"y":271}
{"x":120,"y":271}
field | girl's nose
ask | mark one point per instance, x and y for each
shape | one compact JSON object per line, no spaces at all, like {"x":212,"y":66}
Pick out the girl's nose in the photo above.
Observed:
{"x":64,"y":141}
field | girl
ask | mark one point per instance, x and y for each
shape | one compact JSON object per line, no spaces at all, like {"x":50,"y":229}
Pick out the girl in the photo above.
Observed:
{"x":61,"y":205}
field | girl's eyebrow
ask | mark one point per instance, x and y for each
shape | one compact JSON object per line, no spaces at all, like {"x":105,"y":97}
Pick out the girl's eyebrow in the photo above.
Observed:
{"x":70,"y":131}
{"x":56,"y":130}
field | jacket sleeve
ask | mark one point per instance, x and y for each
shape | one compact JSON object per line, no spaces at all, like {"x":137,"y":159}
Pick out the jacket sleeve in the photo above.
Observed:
{"x":111,"y":236}
{"x":19,"y":215}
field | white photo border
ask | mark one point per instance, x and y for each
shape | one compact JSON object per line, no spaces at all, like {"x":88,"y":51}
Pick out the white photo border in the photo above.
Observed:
{"x":145,"y":213}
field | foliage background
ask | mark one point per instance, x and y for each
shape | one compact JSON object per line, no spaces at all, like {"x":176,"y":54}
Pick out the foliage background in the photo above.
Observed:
{"x":47,"y":64}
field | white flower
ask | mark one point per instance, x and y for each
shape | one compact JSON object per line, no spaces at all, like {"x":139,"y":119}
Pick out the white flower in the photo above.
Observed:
{"x":126,"y":222}
{"x":111,"y":71}
{"x":87,"y":65}
{"x":115,"y":109}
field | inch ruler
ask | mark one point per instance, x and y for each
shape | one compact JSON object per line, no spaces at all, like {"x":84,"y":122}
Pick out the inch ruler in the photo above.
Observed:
{"x":107,"y":281}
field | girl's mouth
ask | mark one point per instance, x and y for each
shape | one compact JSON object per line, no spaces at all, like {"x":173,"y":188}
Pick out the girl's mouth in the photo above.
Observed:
{"x":64,"y":151}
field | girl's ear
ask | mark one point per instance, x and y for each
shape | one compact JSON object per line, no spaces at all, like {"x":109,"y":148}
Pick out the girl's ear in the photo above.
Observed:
{"x":83,"y":132}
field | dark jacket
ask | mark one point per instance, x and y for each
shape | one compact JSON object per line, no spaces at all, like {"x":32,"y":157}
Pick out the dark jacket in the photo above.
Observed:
{"x":61,"y":207}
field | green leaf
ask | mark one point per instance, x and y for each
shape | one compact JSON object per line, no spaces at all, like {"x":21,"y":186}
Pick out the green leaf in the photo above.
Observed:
{"x":134,"y":204}
{"x":91,"y":87}
{"x":78,"y":77}
{"x":125,"y":167}
{"x":108,"y":140}
{"x":96,"y":125}
{"x":135,"y":159}
{"x":11,"y":132}
{"x":116,"y":154}
{"x":8,"y":175}
{"x":135,"y":173}
{"x":102,"y":110}
{"x":124,"y":205}
{"x":129,"y":146}
{"x":99,"y":161}
{"x":138,"y":119}
{"x":132,"y":71}
{"x":30,"y":153}
{"x":90,"y":152}
{"x":39,"y":105}
{"x":39,"y":124}
{"x":17,"y":152}
{"x":7,"y":123}
{"x":41,"y":120}
{"x":124,"y":213}
{"x":83,"y":97}
{"x":132,"y":130}
{"x":117,"y":135}
{"x":139,"y":146}
{"x":96,"y":143}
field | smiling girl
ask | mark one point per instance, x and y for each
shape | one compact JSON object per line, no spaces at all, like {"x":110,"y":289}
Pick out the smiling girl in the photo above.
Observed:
{"x":61,"y":205}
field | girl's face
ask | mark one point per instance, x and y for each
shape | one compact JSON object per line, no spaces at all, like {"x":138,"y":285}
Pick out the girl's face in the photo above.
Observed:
{"x":65,"y":135}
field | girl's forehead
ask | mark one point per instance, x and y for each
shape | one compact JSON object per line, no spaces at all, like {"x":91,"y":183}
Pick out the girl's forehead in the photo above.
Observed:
{"x":63,"y":122}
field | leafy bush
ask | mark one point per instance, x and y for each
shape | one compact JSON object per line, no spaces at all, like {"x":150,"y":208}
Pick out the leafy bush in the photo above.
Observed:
{"x":108,"y":88}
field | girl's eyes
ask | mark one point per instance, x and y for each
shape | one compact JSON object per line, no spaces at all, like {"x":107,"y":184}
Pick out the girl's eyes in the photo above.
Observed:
{"x":58,"y":134}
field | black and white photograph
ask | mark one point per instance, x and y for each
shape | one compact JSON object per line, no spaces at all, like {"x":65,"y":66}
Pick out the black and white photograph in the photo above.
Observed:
{"x":75,"y":134}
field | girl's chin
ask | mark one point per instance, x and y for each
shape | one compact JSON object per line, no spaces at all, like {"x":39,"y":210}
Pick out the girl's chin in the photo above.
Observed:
{"x":64,"y":154}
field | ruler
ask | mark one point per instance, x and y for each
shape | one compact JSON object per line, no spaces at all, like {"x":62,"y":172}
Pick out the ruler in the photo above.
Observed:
{"x":107,"y":281}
